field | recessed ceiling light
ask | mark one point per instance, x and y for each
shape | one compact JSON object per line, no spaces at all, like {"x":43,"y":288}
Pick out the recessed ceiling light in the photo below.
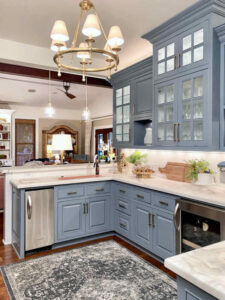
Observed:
{"x":31,"y":91}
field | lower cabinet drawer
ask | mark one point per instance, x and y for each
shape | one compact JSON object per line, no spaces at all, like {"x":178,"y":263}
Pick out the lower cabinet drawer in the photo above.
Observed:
{"x":142,"y":195}
{"x":122,"y":190}
{"x":164,"y":201}
{"x":122,"y":224}
{"x":123,"y":205}
{"x":69,"y":191}
{"x":98,"y":188}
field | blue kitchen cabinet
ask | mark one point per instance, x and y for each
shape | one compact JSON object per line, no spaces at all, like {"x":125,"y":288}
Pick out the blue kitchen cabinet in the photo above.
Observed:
{"x":98,"y":214}
{"x":163,"y":232}
{"x":132,"y":102}
{"x":183,"y":52}
{"x":142,"y":224}
{"x":182,"y":118}
{"x":188,"y":291}
{"x":70,"y":219}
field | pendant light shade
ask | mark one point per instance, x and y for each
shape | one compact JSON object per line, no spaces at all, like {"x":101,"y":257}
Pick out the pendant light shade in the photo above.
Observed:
{"x":86,"y":114}
{"x":49,"y":110}
{"x":59,"y":32}
{"x":83,"y":54}
{"x":57,"y":45}
{"x":91,"y":26}
{"x":115,"y":37}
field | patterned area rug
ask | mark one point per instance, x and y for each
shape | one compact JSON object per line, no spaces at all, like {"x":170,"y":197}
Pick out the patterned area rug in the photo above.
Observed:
{"x":101,"y":271}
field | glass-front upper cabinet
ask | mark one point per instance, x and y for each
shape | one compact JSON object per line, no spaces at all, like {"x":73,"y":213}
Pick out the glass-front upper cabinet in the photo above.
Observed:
{"x":165,"y":58}
{"x":192,"y":47}
{"x":122,"y":115}
{"x":192,"y":110}
{"x":165,"y":113}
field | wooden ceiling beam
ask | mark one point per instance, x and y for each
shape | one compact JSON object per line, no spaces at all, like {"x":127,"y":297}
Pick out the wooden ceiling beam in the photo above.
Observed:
{"x":44,"y":74}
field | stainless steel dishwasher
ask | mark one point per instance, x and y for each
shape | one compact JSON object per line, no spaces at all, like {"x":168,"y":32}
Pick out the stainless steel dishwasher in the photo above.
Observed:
{"x":39,"y":224}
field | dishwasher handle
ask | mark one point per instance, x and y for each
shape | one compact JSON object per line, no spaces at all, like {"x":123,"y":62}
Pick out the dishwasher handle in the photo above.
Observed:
{"x":176,"y":210}
{"x":29,"y":207}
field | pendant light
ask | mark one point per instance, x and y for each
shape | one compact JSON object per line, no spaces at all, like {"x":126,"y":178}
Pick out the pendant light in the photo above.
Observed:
{"x":86,"y":113}
{"x":49,"y":110}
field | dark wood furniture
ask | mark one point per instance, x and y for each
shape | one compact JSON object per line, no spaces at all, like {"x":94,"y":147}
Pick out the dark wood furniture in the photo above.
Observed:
{"x":25,"y":141}
{"x":47,"y":138}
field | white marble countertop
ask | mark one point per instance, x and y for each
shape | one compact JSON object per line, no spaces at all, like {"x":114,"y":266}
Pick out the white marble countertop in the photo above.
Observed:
{"x":204,"y":268}
{"x":213,"y":195}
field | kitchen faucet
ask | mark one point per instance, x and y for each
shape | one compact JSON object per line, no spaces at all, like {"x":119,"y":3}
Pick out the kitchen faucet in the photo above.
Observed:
{"x":96,"y":164}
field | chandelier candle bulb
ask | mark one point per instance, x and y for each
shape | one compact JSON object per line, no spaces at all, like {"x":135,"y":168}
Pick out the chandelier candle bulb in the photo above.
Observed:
{"x":83,"y":54}
{"x":59,"y":32}
{"x":57,"y":46}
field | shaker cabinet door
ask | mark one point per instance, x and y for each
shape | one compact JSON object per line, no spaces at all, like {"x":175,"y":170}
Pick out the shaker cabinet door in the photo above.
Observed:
{"x":163,"y":234}
{"x":70,"y":220}
{"x":97,"y":214}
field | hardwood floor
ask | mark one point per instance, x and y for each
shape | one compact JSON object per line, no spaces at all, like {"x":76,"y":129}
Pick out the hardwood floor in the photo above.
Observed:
{"x":8,"y":256}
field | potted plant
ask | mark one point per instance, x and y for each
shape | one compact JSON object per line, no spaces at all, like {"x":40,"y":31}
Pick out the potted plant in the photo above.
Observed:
{"x":136,"y":159}
{"x":199,"y":172}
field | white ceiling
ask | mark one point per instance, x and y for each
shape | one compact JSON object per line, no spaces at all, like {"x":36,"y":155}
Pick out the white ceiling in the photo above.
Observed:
{"x":30,"y":21}
{"x":14,"y":90}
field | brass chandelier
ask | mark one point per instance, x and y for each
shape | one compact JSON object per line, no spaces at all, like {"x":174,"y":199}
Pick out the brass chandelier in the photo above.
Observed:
{"x":92,"y":28}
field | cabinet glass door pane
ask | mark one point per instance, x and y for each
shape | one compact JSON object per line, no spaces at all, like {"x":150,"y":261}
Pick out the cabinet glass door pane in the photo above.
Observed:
{"x":187,"y":43}
{"x":170,"y":49}
{"x":198,"y":110}
{"x":161,"y":96}
{"x":187,"y":89}
{"x":126,"y":128}
{"x":170,"y":66}
{"x":169,"y":132}
{"x":119,"y":116}
{"x":169,"y":113}
{"x":186,"y":110}
{"x":198,"y":37}
{"x":187,"y":58}
{"x":170,"y":94}
{"x":198,"y":130}
{"x":186,"y":131}
{"x":118,"y":97}
{"x":161,"y":68}
{"x":161,"y":129}
{"x":198,"y":54}
{"x":161,"y":114}
{"x":119,"y":133}
{"x":161,"y":53}
{"x":126,"y":99}
{"x":126,"y":90}
{"x":119,"y":137}
{"x":198,"y":87}
{"x":126,"y":114}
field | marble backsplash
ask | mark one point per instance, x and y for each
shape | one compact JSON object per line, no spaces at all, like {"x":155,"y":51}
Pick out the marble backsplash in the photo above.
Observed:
{"x":159,"y":158}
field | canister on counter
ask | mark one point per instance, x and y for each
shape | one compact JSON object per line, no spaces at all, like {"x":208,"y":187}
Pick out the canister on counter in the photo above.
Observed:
{"x":221,"y":166}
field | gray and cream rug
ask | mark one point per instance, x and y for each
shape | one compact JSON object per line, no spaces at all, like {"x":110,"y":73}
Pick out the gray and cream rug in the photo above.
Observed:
{"x":101,"y":271}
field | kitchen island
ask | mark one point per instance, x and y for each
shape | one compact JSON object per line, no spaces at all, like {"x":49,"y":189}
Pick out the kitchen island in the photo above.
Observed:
{"x":201,"y":273}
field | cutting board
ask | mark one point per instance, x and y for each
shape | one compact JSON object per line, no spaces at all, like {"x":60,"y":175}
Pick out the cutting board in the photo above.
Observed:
{"x":175,"y":171}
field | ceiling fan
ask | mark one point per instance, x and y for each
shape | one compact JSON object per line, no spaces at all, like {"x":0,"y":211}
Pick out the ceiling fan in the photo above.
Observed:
{"x":66,"y":86}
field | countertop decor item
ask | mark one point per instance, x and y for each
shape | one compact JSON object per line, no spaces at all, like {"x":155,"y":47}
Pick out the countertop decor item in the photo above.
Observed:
{"x":199,"y":172}
{"x":175,"y":171}
{"x":148,"y":137}
{"x":143,"y":172}
{"x":221,"y":167}
{"x":137,"y":158}
{"x":84,"y":53}
{"x":121,"y":163}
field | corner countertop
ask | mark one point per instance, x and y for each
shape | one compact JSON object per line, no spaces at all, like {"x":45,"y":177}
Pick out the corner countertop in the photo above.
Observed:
{"x":213,"y":195}
{"x":204,"y":268}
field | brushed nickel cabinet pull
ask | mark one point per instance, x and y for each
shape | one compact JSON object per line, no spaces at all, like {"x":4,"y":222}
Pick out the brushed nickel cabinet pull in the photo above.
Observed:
{"x":122,"y":206}
{"x":175,"y":62}
{"x":178,"y":132}
{"x":29,"y":207}
{"x":174,"y":132}
{"x":84,"y":209}
{"x":164,"y":203}
{"x":153,"y":220}
{"x":100,"y":190}
{"x":123,"y":225}
{"x":122,"y":191}
{"x":71,"y":193}
{"x":179,"y":60}
{"x":149,"y":220}
{"x":140,"y":196}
